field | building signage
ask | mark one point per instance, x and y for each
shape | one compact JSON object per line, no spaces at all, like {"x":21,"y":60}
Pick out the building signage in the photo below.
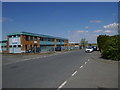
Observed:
{"x":76,"y":45}
{"x":14,"y":41}
{"x":22,"y":51}
{"x":35,"y":41}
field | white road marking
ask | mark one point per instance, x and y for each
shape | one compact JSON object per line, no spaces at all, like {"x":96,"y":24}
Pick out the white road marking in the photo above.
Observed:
{"x":62,"y":85}
{"x":88,"y":60}
{"x":81,"y":66}
{"x":85,"y":62}
{"x":74,"y":73}
{"x":25,"y":59}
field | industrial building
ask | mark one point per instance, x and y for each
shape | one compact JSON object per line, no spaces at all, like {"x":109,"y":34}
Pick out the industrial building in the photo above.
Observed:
{"x":23,"y":42}
{"x":3,"y":46}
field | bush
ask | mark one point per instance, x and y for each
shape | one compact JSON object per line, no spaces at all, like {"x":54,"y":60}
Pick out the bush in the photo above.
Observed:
{"x":109,"y":46}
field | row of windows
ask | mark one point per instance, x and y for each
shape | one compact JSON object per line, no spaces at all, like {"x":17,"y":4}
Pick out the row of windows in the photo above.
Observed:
{"x":31,"y":46}
{"x":46,"y":39}
{"x":41,"y":39}
{"x":15,"y":46}
{"x":30,"y":38}
{"x":3,"y":46}
{"x":60,"y":40}
{"x":14,"y":36}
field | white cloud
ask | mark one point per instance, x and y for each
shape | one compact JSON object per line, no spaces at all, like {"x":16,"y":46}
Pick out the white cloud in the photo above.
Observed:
{"x":111,"y":26}
{"x":82,"y":31}
{"x":95,"y":21}
{"x":91,"y":36}
{"x":107,"y":31}
{"x":77,"y":35}
{"x":86,"y":27}
{"x":97,"y":31}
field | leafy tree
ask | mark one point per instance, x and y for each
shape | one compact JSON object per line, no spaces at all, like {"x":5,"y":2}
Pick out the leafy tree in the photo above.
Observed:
{"x":109,"y":46}
{"x":102,"y":41}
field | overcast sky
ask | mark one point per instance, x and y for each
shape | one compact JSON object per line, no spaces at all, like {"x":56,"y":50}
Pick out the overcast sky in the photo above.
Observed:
{"x":62,"y":19}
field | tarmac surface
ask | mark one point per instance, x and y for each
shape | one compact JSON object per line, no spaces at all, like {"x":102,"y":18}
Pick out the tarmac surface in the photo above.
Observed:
{"x":74,"y":69}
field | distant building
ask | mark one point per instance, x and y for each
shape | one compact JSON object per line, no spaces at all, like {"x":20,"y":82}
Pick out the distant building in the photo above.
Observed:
{"x":3,"y":46}
{"x":24,"y":42}
{"x":74,"y":45}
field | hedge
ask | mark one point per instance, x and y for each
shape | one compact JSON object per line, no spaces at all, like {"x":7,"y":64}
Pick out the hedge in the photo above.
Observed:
{"x":109,"y":46}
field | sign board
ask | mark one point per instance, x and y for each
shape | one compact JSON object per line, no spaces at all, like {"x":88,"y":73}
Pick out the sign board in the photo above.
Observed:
{"x":76,"y":45}
{"x":14,"y":40}
{"x":22,"y":51}
{"x":35,"y":41}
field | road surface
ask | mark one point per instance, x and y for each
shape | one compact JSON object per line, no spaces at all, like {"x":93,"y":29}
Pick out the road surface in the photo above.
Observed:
{"x":48,"y":72}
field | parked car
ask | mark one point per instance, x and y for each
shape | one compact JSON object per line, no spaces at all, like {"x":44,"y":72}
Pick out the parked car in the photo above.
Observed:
{"x":28,"y":51}
{"x":58,"y":49}
{"x":94,"y":48}
{"x":89,"y":49}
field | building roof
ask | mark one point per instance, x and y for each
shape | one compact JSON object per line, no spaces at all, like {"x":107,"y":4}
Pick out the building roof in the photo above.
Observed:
{"x":34,"y":34}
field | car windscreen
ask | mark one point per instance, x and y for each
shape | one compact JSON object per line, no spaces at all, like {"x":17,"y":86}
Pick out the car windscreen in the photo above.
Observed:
{"x":89,"y":47}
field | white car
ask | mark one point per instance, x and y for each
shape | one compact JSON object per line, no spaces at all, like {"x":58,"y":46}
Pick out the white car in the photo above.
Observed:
{"x":89,"y":49}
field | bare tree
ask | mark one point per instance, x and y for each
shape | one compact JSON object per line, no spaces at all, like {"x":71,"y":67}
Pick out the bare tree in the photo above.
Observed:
{"x":83,"y":42}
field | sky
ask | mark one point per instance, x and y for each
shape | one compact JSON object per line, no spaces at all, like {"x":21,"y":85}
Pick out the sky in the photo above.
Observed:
{"x":72,"y":20}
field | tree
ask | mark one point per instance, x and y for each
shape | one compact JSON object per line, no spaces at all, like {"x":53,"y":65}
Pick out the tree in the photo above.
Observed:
{"x":109,"y":46}
{"x":83,"y":42}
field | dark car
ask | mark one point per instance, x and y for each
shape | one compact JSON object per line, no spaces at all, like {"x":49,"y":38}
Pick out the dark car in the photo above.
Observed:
{"x":28,"y":51}
{"x":94,"y":48}
{"x":58,"y":49}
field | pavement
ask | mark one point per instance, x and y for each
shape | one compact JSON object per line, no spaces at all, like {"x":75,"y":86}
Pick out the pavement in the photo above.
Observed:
{"x":14,"y":58}
{"x":75,"y":69}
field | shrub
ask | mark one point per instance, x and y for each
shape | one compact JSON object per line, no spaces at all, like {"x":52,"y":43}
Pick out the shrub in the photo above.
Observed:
{"x":109,"y":46}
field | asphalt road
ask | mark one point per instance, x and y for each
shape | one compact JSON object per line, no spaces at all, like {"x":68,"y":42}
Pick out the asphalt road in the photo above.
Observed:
{"x":47,"y":72}
{"x":74,"y":69}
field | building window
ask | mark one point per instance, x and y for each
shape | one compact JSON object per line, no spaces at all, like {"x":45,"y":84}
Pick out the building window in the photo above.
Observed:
{"x":35,"y":38}
{"x":31,"y":37}
{"x":17,"y":35}
{"x":19,"y":45}
{"x":52,"y":39}
{"x":41,"y":39}
{"x":48,"y":39}
{"x":27,"y":38}
{"x":5,"y":46}
{"x":58,"y":40}
{"x":10,"y":36}
{"x":25,"y":47}
{"x":30,"y":46}
{"x":14,"y":45}
{"x":62,"y":40}
{"x":10,"y":46}
{"x":14,"y":36}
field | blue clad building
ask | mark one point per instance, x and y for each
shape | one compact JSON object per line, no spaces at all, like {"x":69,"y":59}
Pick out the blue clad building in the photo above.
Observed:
{"x":23,"y":42}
